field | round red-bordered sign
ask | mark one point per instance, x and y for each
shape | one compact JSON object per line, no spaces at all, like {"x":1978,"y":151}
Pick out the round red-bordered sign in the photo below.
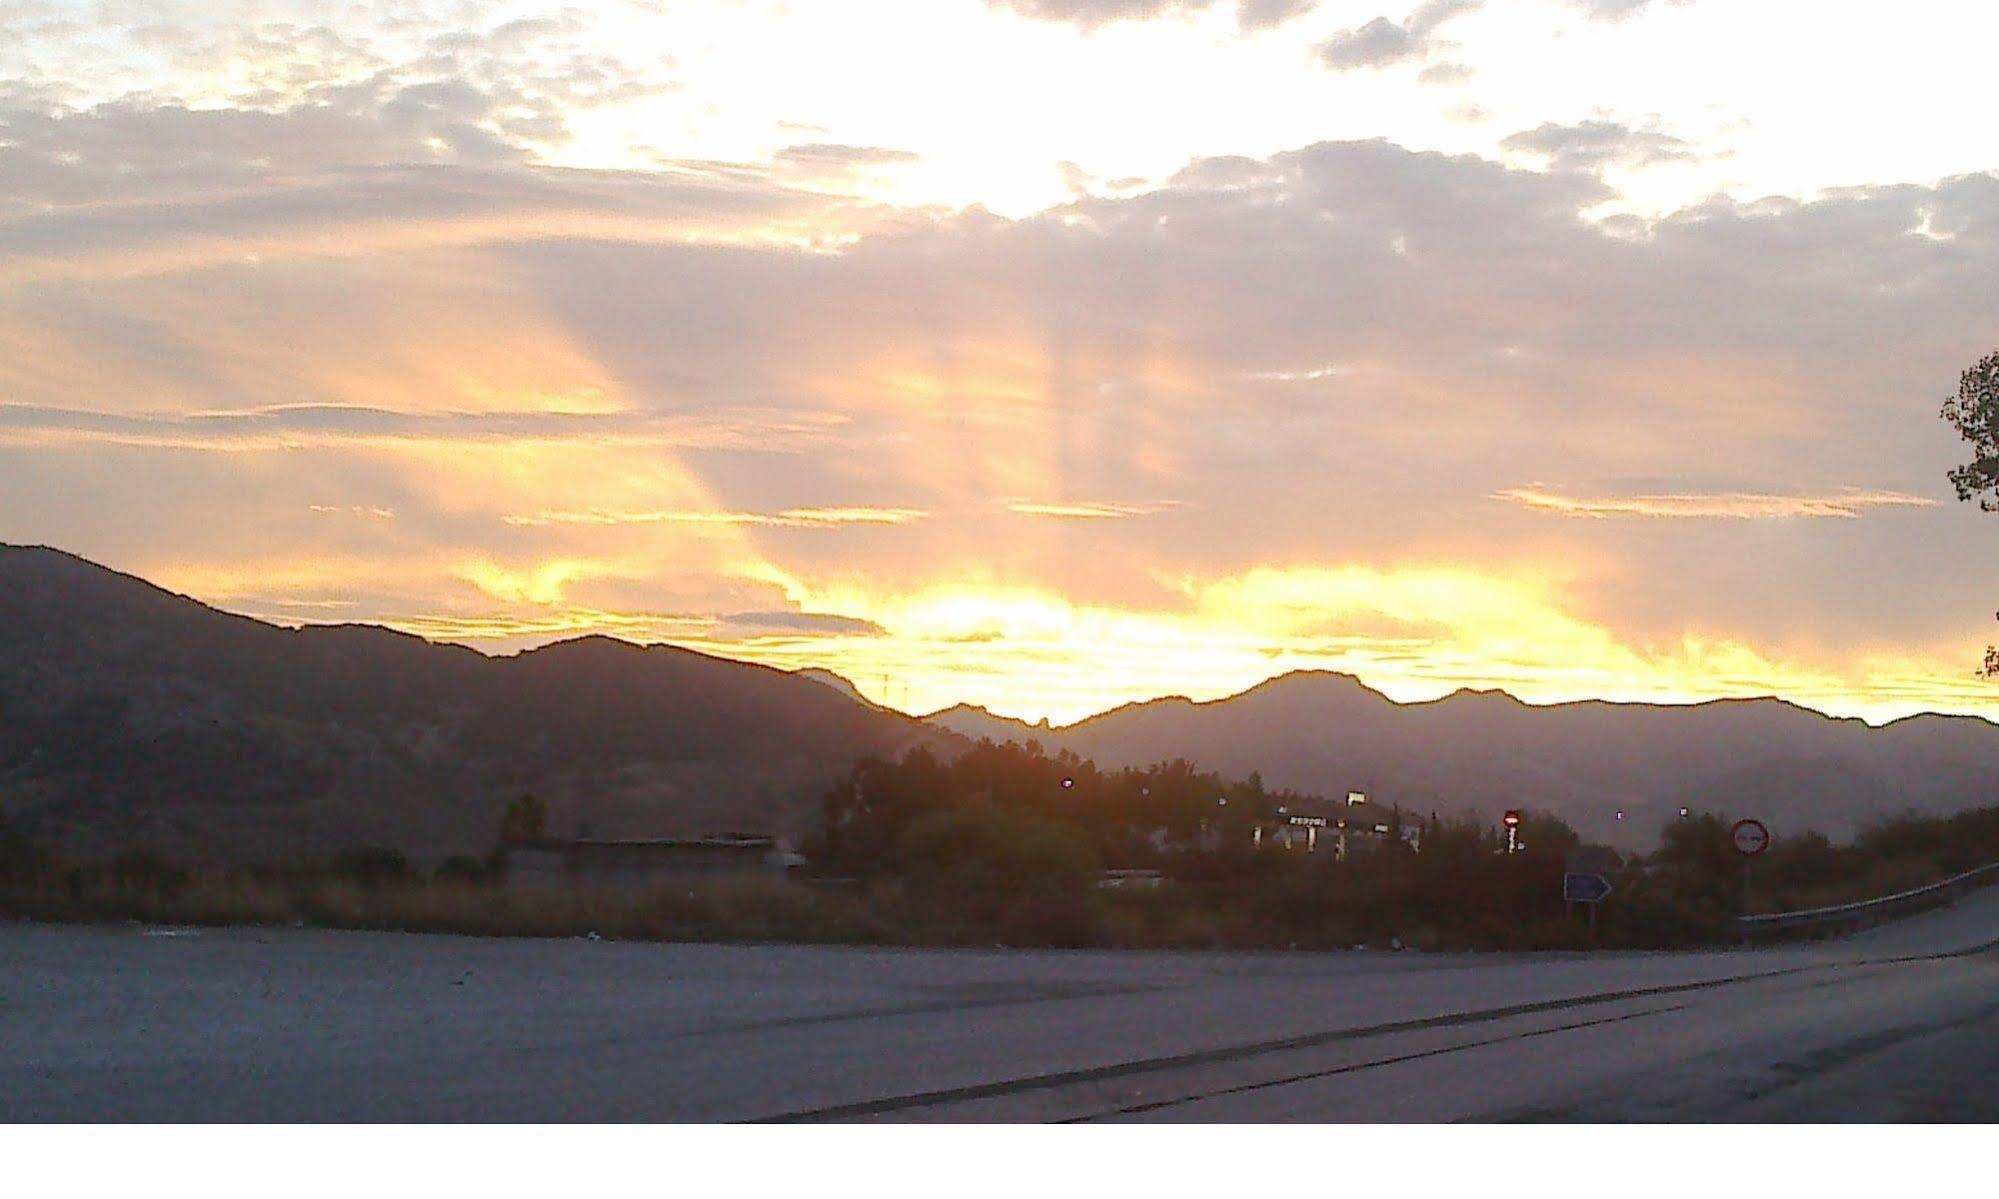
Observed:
{"x":1750,"y":837}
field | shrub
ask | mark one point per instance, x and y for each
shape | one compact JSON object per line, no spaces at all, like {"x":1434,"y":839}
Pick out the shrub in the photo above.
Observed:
{"x":18,"y":859}
{"x":980,"y":858}
{"x":463,"y":868}
{"x":371,"y":866}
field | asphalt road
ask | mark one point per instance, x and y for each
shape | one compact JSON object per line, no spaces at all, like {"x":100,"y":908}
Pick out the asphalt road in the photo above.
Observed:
{"x":128,"y":1023}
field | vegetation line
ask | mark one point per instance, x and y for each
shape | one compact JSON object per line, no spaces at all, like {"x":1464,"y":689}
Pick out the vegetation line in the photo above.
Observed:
{"x":1004,"y":845}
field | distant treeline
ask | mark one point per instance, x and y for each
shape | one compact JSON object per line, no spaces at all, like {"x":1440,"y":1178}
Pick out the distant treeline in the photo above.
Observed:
{"x":1008,"y":838}
{"x":1005,"y":844}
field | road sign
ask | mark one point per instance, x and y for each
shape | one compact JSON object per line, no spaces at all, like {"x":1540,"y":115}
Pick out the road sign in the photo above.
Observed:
{"x":1584,"y":888}
{"x":1309,"y":821}
{"x":1750,"y":837}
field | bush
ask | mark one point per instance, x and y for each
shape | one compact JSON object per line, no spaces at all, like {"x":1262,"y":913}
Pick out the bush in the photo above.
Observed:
{"x":371,"y":866}
{"x":463,"y":868}
{"x":981,"y":858}
{"x":142,"y":869}
{"x":18,"y":859}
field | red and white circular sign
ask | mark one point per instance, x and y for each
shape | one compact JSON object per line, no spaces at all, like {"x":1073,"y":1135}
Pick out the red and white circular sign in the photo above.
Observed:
{"x":1750,"y":837}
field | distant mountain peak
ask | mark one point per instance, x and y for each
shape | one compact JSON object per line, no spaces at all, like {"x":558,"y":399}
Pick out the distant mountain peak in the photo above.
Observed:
{"x":837,"y":681}
{"x":1307,"y":682}
{"x":1491,"y":695}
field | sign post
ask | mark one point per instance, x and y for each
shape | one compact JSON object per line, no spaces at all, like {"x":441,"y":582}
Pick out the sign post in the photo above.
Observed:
{"x":1585,"y":888}
{"x":1585,"y":881}
{"x":1751,"y":838}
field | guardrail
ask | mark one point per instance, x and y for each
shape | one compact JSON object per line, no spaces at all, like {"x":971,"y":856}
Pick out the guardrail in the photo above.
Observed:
{"x":1867,"y":911}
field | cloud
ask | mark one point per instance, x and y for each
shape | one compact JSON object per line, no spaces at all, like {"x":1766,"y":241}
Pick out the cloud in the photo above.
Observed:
{"x":831,"y":163}
{"x":1332,"y":354}
{"x":353,"y":213}
{"x":334,"y":426}
{"x":1251,"y":15}
{"x":1379,"y":43}
{"x":841,"y":156}
{"x":321,"y":101}
{"x":1090,"y":14}
{"x":1613,"y":10}
{"x":1591,"y":146}
{"x":1845,"y":504}
{"x":818,"y":623}
{"x":789,"y":518}
{"x":1383,"y":43}
{"x":1269,"y":14}
{"x":1445,"y":73}
{"x":1090,"y":509}
{"x":1415,"y":632}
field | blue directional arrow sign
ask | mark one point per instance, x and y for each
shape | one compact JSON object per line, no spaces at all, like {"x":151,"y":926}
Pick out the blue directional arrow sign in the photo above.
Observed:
{"x":1584,"y":888}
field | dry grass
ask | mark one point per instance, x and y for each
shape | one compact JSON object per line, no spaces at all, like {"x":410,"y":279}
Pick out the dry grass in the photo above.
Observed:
{"x":1654,"y":908}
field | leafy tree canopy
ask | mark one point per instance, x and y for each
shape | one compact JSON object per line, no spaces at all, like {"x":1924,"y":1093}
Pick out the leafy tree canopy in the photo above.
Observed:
{"x":1974,"y":413}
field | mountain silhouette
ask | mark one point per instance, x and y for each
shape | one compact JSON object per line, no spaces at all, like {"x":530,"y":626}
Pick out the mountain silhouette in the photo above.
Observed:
{"x":1485,"y":751}
{"x":130,"y":715}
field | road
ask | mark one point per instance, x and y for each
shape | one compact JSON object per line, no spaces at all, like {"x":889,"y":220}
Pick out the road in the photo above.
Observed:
{"x":130,"y":1023}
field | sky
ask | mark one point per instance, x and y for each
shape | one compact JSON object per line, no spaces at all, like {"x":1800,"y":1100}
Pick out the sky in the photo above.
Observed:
{"x":1046,"y":355}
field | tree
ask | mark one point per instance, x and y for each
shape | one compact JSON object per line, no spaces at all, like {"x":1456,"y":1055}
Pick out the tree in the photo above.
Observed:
{"x":526,"y":819}
{"x":1974,"y":413}
{"x":462,"y":868}
{"x":17,"y":853}
{"x":1546,"y":833}
{"x":371,"y":865}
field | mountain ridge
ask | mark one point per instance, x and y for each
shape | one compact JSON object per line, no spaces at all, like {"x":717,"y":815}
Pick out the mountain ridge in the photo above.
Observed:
{"x":1478,"y":751}
{"x":130,"y":714}
{"x":1461,"y":692}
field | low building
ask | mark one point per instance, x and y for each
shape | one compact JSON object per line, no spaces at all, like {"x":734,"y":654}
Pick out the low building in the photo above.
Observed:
{"x":1324,"y":828}
{"x":1130,"y":880}
{"x":648,"y":861}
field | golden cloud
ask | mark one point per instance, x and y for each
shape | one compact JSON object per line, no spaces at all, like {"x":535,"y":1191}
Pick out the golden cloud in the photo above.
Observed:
{"x":789,"y":518}
{"x":1089,"y":509}
{"x":1845,"y":504}
{"x":1414,"y":632}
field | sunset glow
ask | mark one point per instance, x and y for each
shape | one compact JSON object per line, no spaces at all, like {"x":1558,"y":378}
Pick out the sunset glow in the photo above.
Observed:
{"x":1083,"y":357}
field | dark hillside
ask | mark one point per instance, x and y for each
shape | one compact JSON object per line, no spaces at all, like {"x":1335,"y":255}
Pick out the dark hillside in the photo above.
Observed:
{"x":130,"y":714}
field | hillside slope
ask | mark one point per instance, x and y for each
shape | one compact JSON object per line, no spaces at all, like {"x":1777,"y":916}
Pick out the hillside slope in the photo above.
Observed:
{"x":1485,"y":751}
{"x":129,"y":714}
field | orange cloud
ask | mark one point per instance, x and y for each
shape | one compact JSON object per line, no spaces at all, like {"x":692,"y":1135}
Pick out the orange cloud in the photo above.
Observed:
{"x":789,"y":518}
{"x":1090,"y":509}
{"x":1414,"y":632}
{"x":1722,"y":505}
